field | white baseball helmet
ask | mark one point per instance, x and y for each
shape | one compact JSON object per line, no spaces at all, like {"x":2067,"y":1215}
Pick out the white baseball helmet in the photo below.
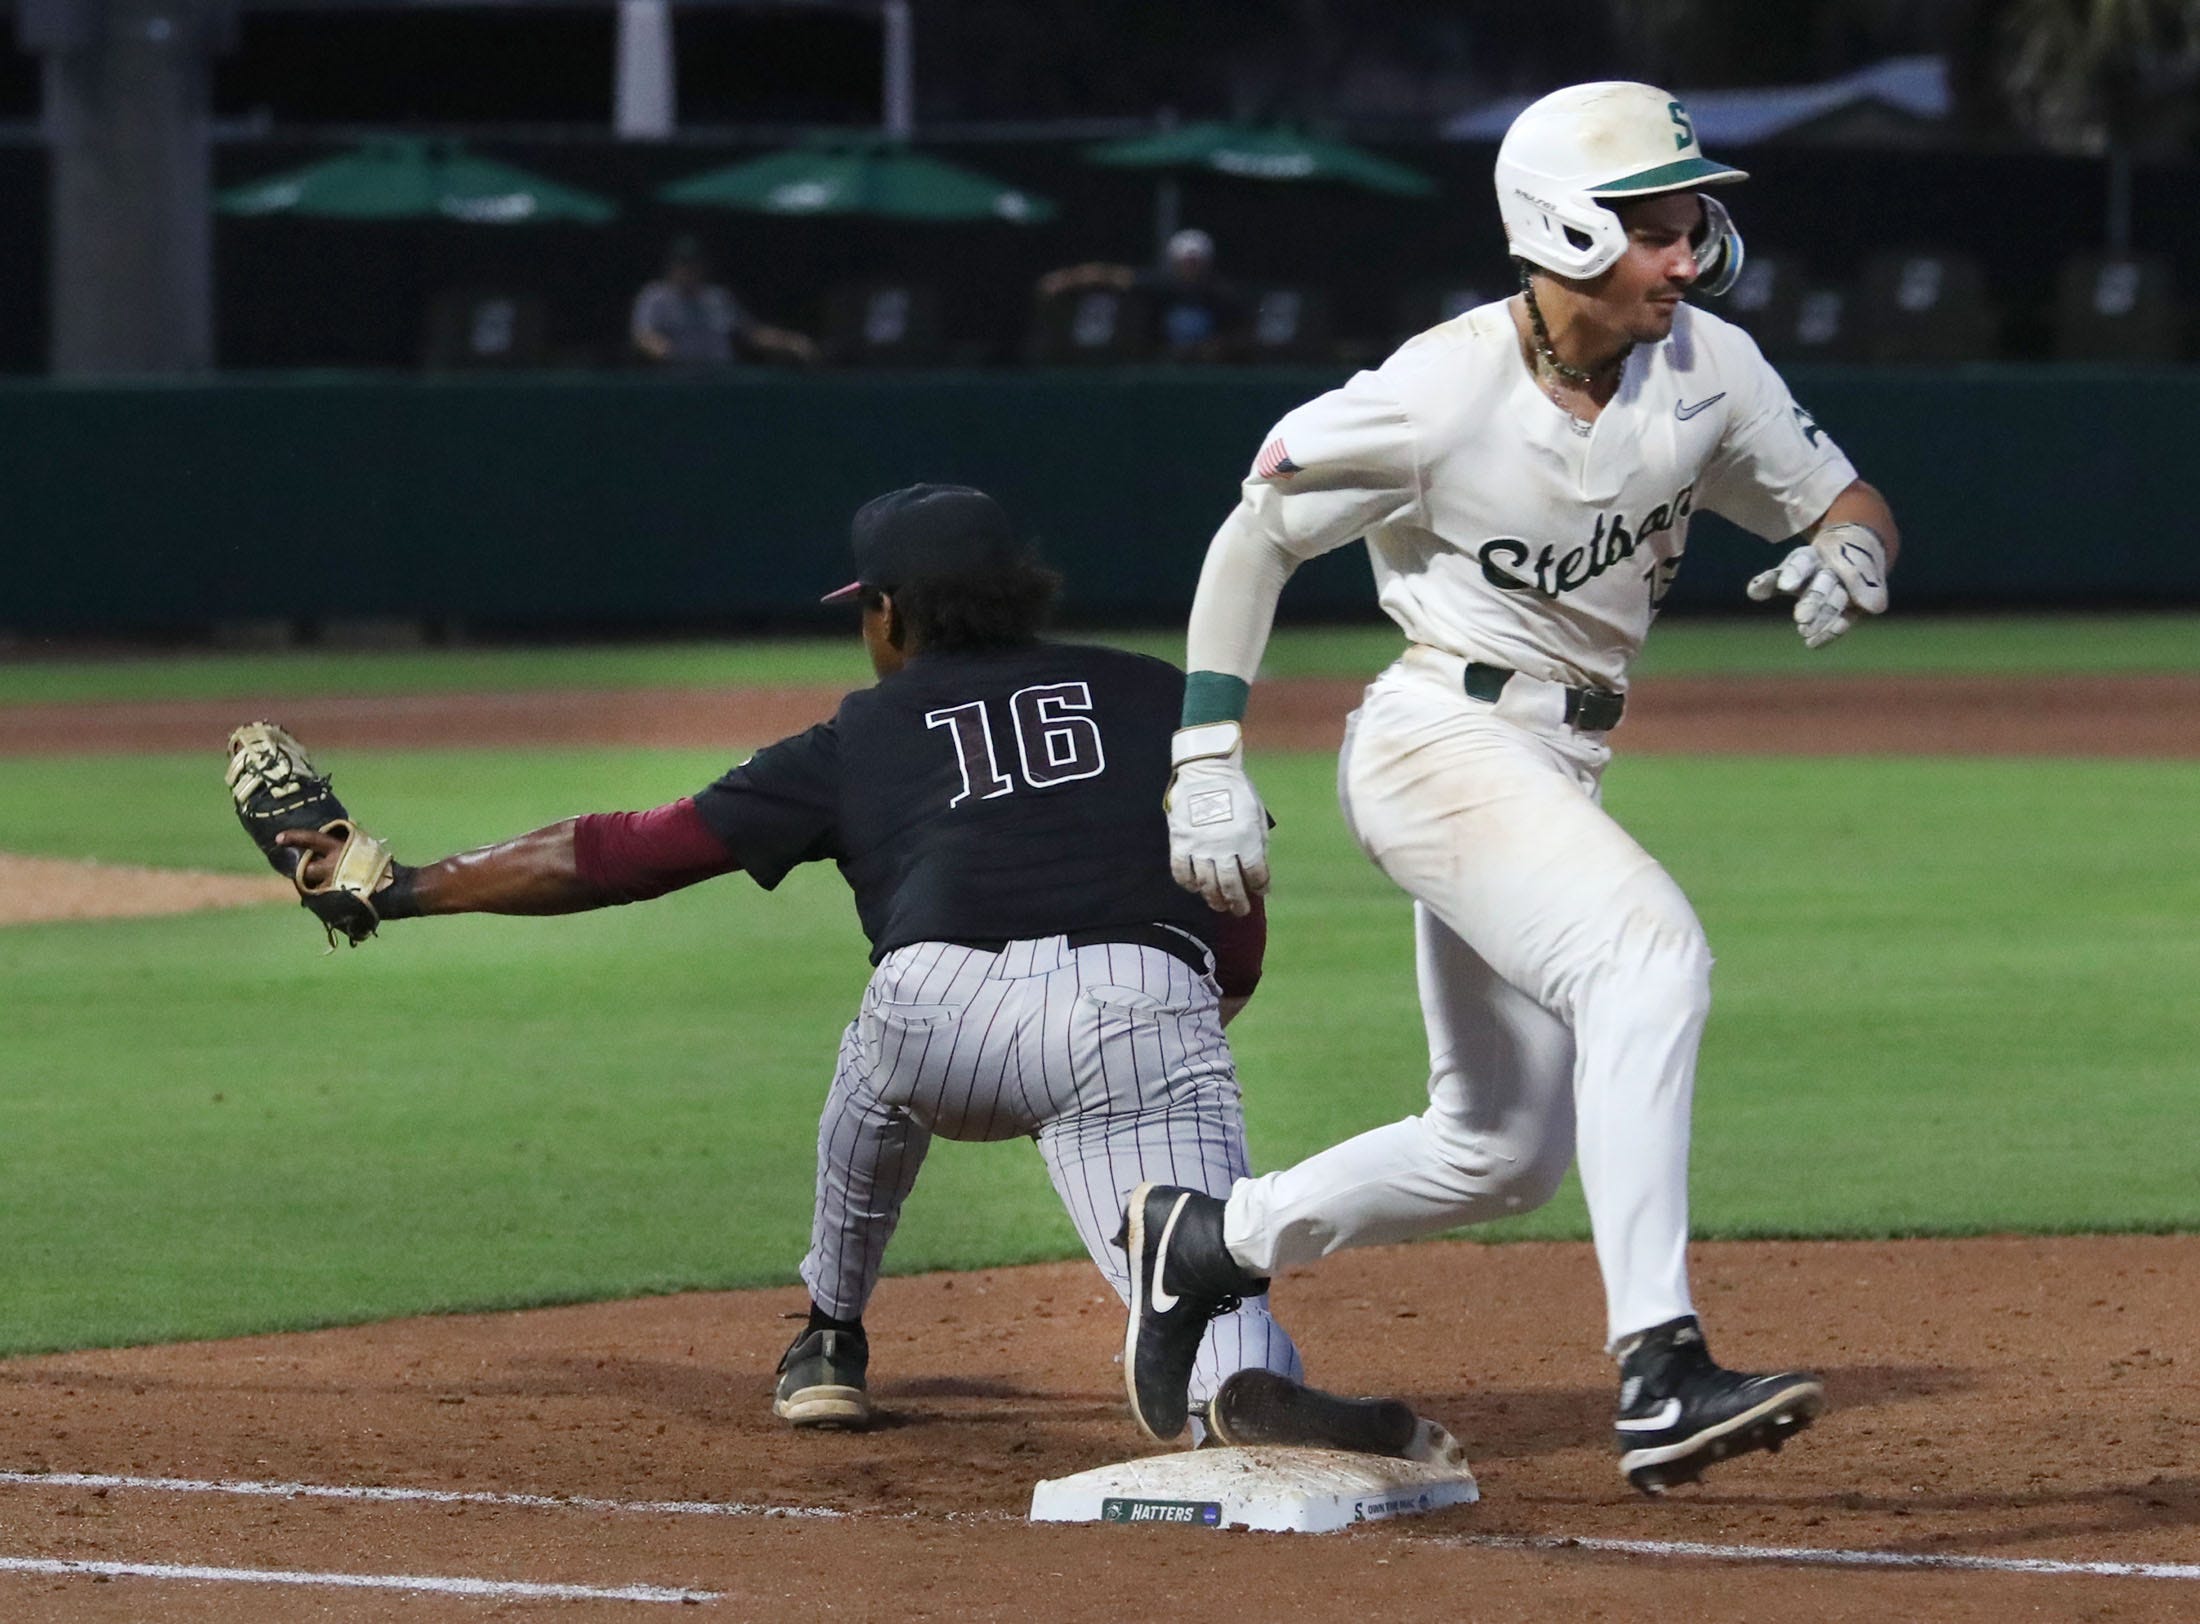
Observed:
{"x":1565,"y":155}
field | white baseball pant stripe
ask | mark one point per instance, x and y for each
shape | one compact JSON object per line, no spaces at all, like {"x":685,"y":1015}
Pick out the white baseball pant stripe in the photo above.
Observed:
{"x":1564,"y":983}
{"x":1111,"y":1056}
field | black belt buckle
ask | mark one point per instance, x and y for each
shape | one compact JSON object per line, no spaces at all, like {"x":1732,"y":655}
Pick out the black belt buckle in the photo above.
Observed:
{"x":1594,"y":710}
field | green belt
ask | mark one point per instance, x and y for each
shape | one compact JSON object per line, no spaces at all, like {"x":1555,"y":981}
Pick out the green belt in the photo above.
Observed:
{"x":1593,"y":710}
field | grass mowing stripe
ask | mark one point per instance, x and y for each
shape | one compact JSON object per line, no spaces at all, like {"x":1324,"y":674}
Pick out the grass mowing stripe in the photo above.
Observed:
{"x":1952,"y":996}
{"x":2016,"y":645}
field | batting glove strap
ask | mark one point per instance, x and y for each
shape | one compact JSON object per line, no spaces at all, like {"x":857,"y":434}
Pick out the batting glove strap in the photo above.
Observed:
{"x":1218,"y":829}
{"x":1208,"y":740}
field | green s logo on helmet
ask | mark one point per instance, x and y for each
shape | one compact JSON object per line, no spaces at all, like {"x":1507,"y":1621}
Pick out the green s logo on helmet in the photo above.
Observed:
{"x":1687,"y":130}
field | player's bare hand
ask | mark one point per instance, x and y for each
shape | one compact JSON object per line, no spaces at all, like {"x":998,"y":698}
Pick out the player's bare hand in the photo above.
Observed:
{"x":320,"y":850}
{"x":1218,"y":829}
{"x":1842,"y":569}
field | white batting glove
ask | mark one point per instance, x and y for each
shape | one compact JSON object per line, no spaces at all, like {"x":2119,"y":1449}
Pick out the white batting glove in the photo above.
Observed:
{"x":1844,"y":568}
{"x":1218,"y":830}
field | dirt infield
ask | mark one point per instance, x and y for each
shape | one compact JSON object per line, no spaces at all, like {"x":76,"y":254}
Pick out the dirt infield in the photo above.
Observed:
{"x":37,"y":890}
{"x":2023,"y":1406}
{"x":2075,"y":716}
{"x":2005,"y":1399}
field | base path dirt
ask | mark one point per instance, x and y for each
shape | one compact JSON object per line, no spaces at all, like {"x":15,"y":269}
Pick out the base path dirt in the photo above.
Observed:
{"x":38,"y":890}
{"x":2013,"y":1400}
{"x":2155,"y":715}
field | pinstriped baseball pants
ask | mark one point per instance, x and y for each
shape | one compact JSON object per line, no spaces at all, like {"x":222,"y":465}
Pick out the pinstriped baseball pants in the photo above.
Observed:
{"x":1110,"y":1056}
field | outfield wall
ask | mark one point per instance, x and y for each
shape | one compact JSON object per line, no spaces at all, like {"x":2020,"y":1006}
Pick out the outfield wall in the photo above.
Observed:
{"x":569,"y":500}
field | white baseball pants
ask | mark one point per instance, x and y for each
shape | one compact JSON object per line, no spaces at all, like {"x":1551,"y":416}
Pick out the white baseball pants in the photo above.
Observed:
{"x":1564,"y":982}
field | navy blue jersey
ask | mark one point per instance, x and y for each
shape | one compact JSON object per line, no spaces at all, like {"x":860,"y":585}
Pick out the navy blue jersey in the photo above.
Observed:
{"x":984,"y":796}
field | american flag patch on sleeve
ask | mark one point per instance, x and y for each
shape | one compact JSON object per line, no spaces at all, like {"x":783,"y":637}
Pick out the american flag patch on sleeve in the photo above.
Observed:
{"x":1274,"y":462}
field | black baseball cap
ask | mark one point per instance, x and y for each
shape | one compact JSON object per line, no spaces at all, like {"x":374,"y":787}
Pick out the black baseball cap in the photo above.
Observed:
{"x":923,"y":532}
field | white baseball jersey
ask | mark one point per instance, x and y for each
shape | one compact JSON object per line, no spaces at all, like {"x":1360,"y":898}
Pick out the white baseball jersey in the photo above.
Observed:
{"x":1501,"y":533}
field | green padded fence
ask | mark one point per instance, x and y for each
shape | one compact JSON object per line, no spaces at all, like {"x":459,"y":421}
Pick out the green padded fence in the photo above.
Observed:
{"x":564,"y":500}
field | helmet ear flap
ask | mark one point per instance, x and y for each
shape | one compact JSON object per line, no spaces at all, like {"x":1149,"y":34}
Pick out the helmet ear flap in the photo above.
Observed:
{"x":1718,"y":249}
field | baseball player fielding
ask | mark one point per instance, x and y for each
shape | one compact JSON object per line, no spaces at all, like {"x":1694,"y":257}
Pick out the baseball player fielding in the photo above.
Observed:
{"x":994,"y":805}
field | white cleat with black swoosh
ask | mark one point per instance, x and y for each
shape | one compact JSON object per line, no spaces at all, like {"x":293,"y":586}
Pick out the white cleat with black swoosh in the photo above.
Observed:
{"x":1679,"y":1412}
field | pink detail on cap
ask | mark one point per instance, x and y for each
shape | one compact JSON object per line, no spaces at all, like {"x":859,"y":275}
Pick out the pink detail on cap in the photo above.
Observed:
{"x":848,"y":591}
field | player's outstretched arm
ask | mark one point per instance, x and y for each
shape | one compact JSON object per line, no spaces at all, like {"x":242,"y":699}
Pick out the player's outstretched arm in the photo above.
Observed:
{"x":596,"y":861}
{"x":352,"y":883}
{"x":1840,"y":573}
{"x":533,"y":873}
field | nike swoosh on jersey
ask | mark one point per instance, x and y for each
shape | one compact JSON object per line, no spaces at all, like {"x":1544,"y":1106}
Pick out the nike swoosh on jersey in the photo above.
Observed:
{"x":1684,"y":411}
{"x":1656,"y":1421}
{"x":1163,"y":1300}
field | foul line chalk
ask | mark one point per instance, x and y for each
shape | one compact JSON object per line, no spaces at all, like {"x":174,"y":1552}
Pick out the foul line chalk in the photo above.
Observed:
{"x":507,"y":1589}
{"x":1816,"y":1556}
{"x":439,"y":1497}
{"x":1805,"y":1555}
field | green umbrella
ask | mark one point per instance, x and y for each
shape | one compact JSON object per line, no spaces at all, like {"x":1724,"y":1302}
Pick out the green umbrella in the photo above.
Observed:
{"x":1263,"y":154}
{"x":863,"y":178}
{"x":401,"y":178}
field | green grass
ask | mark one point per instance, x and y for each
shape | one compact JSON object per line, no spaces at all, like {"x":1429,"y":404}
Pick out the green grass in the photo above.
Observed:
{"x":2028,"y":645}
{"x":1952,"y":996}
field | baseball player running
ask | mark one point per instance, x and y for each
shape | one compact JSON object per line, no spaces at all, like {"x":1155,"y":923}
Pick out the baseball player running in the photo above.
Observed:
{"x":1524,"y":477}
{"x":992,"y":803}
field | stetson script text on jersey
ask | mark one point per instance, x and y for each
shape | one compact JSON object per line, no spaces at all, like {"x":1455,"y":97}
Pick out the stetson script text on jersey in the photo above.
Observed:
{"x":1503,"y":557}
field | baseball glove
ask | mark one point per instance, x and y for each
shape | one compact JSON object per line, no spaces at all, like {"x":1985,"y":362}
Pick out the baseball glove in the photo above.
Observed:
{"x":276,"y":788}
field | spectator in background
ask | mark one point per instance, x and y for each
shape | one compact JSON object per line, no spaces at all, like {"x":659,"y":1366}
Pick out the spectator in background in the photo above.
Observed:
{"x":685,"y":319}
{"x":1196,"y":315}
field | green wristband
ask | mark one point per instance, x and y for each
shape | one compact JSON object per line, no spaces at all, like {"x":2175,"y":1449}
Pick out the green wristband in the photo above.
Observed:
{"x":1213,"y":696}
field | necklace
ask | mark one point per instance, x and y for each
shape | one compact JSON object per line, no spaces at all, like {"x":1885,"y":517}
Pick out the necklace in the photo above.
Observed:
{"x":1580,"y":378}
{"x":1581,"y":426}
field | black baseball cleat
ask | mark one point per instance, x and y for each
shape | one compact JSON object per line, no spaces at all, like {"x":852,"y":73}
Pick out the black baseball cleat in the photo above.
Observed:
{"x":1679,"y":1412}
{"x":821,"y":1380}
{"x":1260,"y":1407}
{"x":1182,"y":1276}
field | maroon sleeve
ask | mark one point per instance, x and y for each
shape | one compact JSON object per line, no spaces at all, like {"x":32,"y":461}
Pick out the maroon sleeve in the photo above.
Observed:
{"x":638,"y":855}
{"x":1240,"y":945}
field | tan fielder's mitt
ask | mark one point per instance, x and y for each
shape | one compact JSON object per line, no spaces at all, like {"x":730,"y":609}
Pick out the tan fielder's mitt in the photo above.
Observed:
{"x":276,"y":788}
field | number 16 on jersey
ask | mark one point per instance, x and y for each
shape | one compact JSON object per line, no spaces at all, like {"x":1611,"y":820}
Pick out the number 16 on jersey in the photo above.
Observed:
{"x":1057,"y":740}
